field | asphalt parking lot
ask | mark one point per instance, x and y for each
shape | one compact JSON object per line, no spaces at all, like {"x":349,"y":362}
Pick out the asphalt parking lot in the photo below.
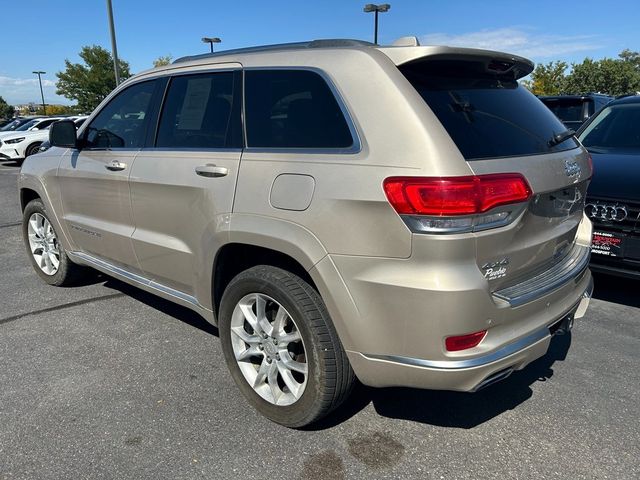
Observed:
{"x":106,"y":381}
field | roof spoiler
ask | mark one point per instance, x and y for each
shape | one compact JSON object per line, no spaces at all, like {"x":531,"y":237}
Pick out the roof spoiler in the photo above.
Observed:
{"x":488,"y":61}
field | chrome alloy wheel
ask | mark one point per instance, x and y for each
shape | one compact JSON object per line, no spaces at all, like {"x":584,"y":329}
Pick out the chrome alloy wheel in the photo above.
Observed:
{"x":269,"y":349}
{"x":43,"y":243}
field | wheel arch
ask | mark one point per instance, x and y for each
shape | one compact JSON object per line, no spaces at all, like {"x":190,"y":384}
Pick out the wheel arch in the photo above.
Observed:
{"x":257,"y":240}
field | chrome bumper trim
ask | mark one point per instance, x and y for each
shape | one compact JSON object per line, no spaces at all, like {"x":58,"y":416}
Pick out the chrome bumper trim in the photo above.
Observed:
{"x":577,"y":311}
{"x":570,"y":267}
{"x":494,"y":356}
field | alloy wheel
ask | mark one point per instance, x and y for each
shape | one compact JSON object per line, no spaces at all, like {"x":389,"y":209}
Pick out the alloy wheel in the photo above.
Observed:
{"x":43,"y":244}
{"x":269,"y":349}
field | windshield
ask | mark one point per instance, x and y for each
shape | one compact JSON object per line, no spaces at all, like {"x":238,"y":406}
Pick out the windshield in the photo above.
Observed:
{"x":615,"y":130}
{"x":10,"y":126}
{"x":487,"y":115}
{"x":26,"y":126}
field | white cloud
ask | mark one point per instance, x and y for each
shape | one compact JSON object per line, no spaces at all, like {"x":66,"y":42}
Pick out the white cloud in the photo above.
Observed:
{"x":518,"y":40}
{"x":24,"y":90}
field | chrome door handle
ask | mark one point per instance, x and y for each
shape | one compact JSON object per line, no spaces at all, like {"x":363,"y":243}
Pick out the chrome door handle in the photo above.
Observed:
{"x":211,"y":171}
{"x":115,"y":166}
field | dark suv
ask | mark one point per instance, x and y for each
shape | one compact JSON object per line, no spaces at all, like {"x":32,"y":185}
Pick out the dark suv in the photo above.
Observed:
{"x":613,"y":200}
{"x":574,"y":110}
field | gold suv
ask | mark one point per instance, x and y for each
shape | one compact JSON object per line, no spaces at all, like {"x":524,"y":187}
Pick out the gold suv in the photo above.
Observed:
{"x":404,"y":215}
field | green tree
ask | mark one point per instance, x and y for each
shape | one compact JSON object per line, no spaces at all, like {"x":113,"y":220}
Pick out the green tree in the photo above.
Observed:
{"x":90,"y":82}
{"x":630,"y":56}
{"x":611,"y":76}
{"x":57,"y":110}
{"x":547,"y":79}
{"x":6,"y":110}
{"x":162,"y":61}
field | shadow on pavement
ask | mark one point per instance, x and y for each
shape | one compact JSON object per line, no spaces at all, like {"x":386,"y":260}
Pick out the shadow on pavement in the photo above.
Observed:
{"x":453,"y":409}
{"x":176,"y":311}
{"x":616,"y":289}
{"x":439,"y":408}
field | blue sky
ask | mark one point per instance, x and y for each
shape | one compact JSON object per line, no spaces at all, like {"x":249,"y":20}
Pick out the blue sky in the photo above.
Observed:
{"x":40,"y":34}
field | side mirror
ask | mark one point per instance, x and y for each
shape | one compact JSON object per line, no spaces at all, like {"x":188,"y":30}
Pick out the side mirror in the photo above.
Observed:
{"x":63,"y":134}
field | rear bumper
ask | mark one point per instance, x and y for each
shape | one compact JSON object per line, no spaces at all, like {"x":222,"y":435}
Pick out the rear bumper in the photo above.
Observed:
{"x":467,"y":374}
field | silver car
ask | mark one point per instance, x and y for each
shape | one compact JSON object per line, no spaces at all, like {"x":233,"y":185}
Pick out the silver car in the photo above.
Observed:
{"x":403,"y":215}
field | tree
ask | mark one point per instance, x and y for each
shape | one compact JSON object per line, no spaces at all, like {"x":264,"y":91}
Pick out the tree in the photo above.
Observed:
{"x":547,"y":79}
{"x":162,"y":61}
{"x":6,"y":110}
{"x":57,"y":110}
{"x":91,"y":82}
{"x":611,"y":76}
{"x":632,"y":57}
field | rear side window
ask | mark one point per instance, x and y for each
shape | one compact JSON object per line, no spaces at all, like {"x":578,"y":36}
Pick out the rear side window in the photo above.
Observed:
{"x":122,"y":123}
{"x":200,"y":112}
{"x":487,"y":115}
{"x":293,"y":109}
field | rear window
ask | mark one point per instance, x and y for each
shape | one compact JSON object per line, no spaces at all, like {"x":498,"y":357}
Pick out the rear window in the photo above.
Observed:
{"x":567,"y":110}
{"x":293,"y":109}
{"x":487,"y":115}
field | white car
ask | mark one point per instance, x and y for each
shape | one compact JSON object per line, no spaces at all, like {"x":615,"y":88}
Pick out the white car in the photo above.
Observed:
{"x":33,"y":125}
{"x":26,"y":140}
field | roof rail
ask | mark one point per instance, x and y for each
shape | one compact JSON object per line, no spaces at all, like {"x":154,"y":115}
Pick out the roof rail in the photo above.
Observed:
{"x":324,"y":43}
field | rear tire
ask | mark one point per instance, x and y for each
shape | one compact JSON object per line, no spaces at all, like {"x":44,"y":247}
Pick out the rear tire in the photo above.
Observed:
{"x":48,"y":256}
{"x":281,"y":347}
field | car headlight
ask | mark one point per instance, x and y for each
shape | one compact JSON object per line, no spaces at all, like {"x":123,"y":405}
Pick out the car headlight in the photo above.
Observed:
{"x":14,"y":140}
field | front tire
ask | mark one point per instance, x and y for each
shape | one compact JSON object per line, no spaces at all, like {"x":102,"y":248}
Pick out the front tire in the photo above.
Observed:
{"x":32,"y":149}
{"x":48,"y":256}
{"x":281,"y":347}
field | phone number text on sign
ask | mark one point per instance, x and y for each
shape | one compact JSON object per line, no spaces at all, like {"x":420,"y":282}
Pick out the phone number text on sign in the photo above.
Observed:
{"x":604,"y":243}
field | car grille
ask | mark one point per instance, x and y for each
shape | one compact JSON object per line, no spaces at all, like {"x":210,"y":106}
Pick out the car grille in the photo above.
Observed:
{"x":613,"y":215}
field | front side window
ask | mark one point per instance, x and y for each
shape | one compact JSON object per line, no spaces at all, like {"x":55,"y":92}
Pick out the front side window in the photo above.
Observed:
{"x":122,"y":123}
{"x":200,"y":112}
{"x":616,"y":129}
{"x":293,"y":109}
{"x":567,"y":110}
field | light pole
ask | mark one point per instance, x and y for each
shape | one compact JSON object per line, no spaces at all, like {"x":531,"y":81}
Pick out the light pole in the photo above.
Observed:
{"x":44,"y":107}
{"x":211,"y":41}
{"x":370,"y":7}
{"x":114,"y":48}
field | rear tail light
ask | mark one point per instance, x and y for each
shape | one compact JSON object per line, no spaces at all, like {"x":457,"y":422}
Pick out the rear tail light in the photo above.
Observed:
{"x":464,"y":342}
{"x":455,"y":204}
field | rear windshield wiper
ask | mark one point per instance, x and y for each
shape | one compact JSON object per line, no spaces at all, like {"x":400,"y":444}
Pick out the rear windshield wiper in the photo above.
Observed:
{"x":561,"y":137}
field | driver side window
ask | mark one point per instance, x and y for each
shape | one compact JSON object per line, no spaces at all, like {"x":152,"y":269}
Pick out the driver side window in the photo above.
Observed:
{"x":122,"y":123}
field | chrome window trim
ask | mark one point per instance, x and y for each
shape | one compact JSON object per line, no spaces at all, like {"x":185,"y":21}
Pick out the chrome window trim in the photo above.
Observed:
{"x":356,"y":146}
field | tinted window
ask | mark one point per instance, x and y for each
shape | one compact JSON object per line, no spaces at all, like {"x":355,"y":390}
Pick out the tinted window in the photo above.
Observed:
{"x":122,"y":123}
{"x":293,"y":109}
{"x":567,"y":110}
{"x":45,"y":124}
{"x":26,"y":126}
{"x":615,"y":129}
{"x":487,"y":115}
{"x":198,"y":113}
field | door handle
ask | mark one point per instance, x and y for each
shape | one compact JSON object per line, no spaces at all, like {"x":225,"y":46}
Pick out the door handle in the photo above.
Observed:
{"x":211,"y":171}
{"x":115,"y":166}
